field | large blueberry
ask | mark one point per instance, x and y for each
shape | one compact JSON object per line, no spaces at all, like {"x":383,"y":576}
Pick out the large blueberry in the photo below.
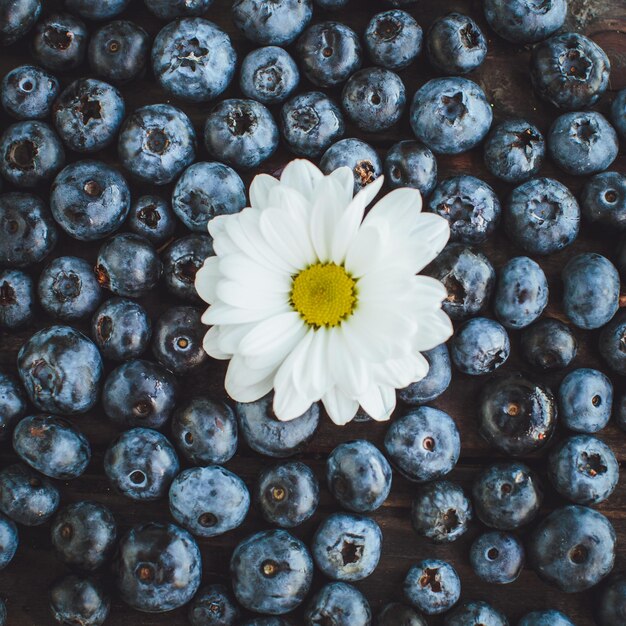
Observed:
{"x":75,"y":600}
{"x":525,"y":21}
{"x":60,"y":42}
{"x":17,"y":18}
{"x":12,"y":405}
{"x":181,"y":262}
{"x":411,"y":164}
{"x":213,"y":605}
{"x":550,"y":617}
{"x":393,"y":39}
{"x":549,"y":344}
{"x":9,"y":541}
{"x":152,"y":217}
{"x":395,"y":613}
{"x":480,"y":346}
{"x":17,"y":299}
{"x":618,"y":113}
{"x":603,"y":199}
{"x":475,"y":613}
{"x":434,"y":383}
{"x":585,"y":400}
{"x":169,"y":9}
{"x":268,"y":75}
{"x":359,"y":156}
{"x":27,"y":92}
{"x":101,"y":10}
{"x":612,"y":603}
{"x":341,"y":603}
{"x":497,"y":557}
{"x":432,"y":586}
{"x":612,"y":341}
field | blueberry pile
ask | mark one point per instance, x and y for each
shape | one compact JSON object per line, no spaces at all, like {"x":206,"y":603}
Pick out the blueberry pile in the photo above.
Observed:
{"x":190,"y":500}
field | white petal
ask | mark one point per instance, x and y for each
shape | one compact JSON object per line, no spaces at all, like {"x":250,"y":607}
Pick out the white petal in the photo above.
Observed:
{"x":399,"y":373}
{"x":340,"y":408}
{"x":316,"y":380}
{"x":260,"y":190}
{"x":280,"y":349}
{"x":366,"y":250}
{"x":269,"y":333}
{"x":301,"y":175}
{"x":289,"y":404}
{"x":399,"y":207}
{"x":210,"y":343}
{"x":245,"y":270}
{"x":433,"y":329}
{"x":378,"y":402}
{"x":207,"y":278}
{"x":344,"y":177}
{"x":429,"y":291}
{"x":221,"y":313}
{"x":231,"y":335}
{"x":248,"y":297}
{"x":327,"y":209}
{"x":222,"y":243}
{"x":349,"y":371}
{"x":244,"y":384}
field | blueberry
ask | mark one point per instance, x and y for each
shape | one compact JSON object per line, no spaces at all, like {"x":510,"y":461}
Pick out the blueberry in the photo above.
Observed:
{"x":310,"y":123}
{"x":157,"y":567}
{"x":205,"y":431}
{"x":550,"y":617}
{"x":620,"y":255}
{"x":27,"y":497}
{"x":266,"y":621}
{"x":612,"y":603}
{"x":206,"y":190}
{"x":75,"y":600}
{"x":60,"y":42}
{"x":432,"y":586}
{"x":359,"y":156}
{"x":603,"y":199}
{"x":17,"y":18}
{"x":141,"y":463}
{"x":393,"y":39}
{"x":89,"y":200}
{"x":468,"y":277}
{"x":287,"y":494}
{"x":17,"y":299}
{"x":620,"y":413}
{"x":9,"y":541}
{"x":329,"y":53}
{"x":30,"y":154}
{"x":549,"y":344}
{"x":455,"y":44}
{"x":268,"y":75}
{"x":339,"y":604}
{"x":374,"y":99}
{"x":612,"y":343}
{"x":358,"y":476}
{"x":396,"y":614}
{"x":585,"y":400}
{"x":83,"y":534}
{"x":570,"y":71}
{"x":480,"y":346}
{"x":213,"y":605}
{"x":434,"y":383}
{"x":3,"y":613}
{"x":573,"y":548}
{"x":139,"y":394}
{"x":475,"y":613}
{"x":27,"y":92}
{"x":271,"y":572}
{"x":450,"y":115}
{"x":275,"y":24}
{"x":193,"y":59}
{"x":516,"y":415}
{"x":121,"y":329}
{"x":514,"y":151}
{"x":618,"y":113}
{"x":441,"y":511}
{"x":151,"y":217}
{"x":128,"y":265}
{"x":331,"y":5}
{"x":182,"y":260}
{"x":411,"y":164}
{"x":525,"y":21}
{"x":542,"y":216}
{"x":169,"y":9}
{"x":100,"y":10}
{"x":61,"y":370}
{"x":12,"y":405}
{"x":268,"y":436}
{"x":497,"y":557}
{"x":156,"y":143}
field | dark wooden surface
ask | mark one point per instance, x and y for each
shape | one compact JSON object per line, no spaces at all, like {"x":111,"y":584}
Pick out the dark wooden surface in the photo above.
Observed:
{"x":504,"y":76}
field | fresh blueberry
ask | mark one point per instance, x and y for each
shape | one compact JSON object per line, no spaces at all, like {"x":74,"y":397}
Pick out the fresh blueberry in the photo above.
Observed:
{"x":182,"y":260}
{"x":3,"y":613}
{"x":620,"y":413}
{"x":432,"y":586}
{"x":139,"y":394}
{"x":604,"y":199}
{"x":585,"y":400}
{"x":331,"y":5}
{"x":329,"y":53}
{"x":480,"y":346}
{"x":497,"y":557}
{"x":128,"y":265}
{"x":156,"y":143}
{"x":271,"y":572}
{"x":475,"y":613}
{"x":542,"y":216}
{"x":358,"y":476}
{"x":206,"y":190}
{"x":411,"y":164}
{"x":193,"y":59}
{"x":550,"y":617}
{"x":205,"y":431}
{"x":393,"y":39}
{"x":620,"y":256}
{"x":359,"y":156}
{"x":17,"y":300}
{"x":157,"y":568}
{"x":151,"y":217}
{"x":573,"y":548}
{"x":83,"y":534}
{"x":516,"y":415}
{"x":612,"y":342}
{"x":27,"y":92}
{"x":17,"y":18}
{"x":268,"y":75}
{"x":514,"y":151}
{"x":60,"y":42}
{"x":525,"y":21}
{"x":618,"y":113}
{"x":27,"y":497}
{"x":441,"y":511}
{"x":266,"y":621}
{"x":121,"y":329}
{"x":450,"y":115}
{"x":141,"y":464}
{"x":570,"y":71}
{"x":89,"y":200}
{"x":434,"y":383}
{"x":396,"y":614}
{"x":339,"y":604}
{"x":9,"y":541}
{"x":12,"y":405}
{"x":213,"y":605}
{"x":612,"y":603}
{"x":507,"y":496}
{"x":75,"y":600}
{"x":170,"y":9}
{"x":310,"y":123}
{"x":549,"y":344}
{"x":98,"y":10}
{"x":287,"y":494}
{"x":61,"y":370}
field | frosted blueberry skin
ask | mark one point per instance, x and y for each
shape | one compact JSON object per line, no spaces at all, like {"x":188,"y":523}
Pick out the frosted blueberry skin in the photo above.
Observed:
{"x":268,"y":75}
{"x":27,"y":497}
{"x":157,"y":567}
{"x":193,"y":59}
{"x":9,"y":541}
{"x":441,"y":512}
{"x":12,"y":405}
{"x":151,"y":217}
{"x":432,"y":586}
{"x":75,"y":600}
{"x":450,"y":115}
{"x":611,"y":341}
{"x":170,"y":9}
{"x":101,"y":10}
{"x":17,"y":18}
{"x":213,"y":605}
{"x":31,"y":154}
{"x":611,"y":606}
{"x":265,"y":621}
{"x":480,"y":346}
{"x":359,"y":156}
{"x":570,"y":71}
{"x":83,"y":535}
{"x":61,"y":370}
{"x":17,"y":300}
{"x":548,"y":344}
{"x":525,"y":21}
{"x":411,"y":164}
{"x":618,"y":113}
{"x":585,"y":400}
{"x":271,"y":572}
{"x":181,"y":261}
{"x":573,"y":548}
{"x":396,"y":613}
{"x":156,"y":143}
{"x":331,"y":5}
{"x":475,"y":612}
{"x":342,"y":603}
{"x":60,"y":42}
{"x":603,"y":199}
{"x":497,"y":557}
{"x":393,"y":39}
{"x":27,"y":92}
{"x":434,"y":383}
{"x":546,"y":618}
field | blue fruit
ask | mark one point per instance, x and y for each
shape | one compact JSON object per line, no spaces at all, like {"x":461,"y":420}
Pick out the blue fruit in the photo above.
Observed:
{"x":157,"y":567}
{"x":441,"y":511}
{"x":9,"y":541}
{"x":545,"y":618}
{"x":139,"y":394}
{"x":603,"y":199}
{"x":612,"y":603}
{"x":525,"y":21}
{"x":450,"y":115}
{"x":27,"y":92}
{"x":340,"y":604}
{"x":432,"y":586}
{"x":12,"y":405}
{"x":61,"y":370}
{"x":475,"y":613}
{"x":434,"y":383}
{"x":331,"y":5}
{"x":151,"y":217}
{"x":393,"y":39}
{"x":213,"y":605}
{"x":542,"y":216}
{"x":618,"y":113}
{"x":101,"y":10}
{"x":83,"y":534}
{"x":156,"y":143}
{"x":620,"y":412}
{"x":75,"y":600}
{"x":266,"y":621}
{"x":585,"y":400}
{"x":612,"y":341}
{"x":497,"y":557}
{"x":358,"y":476}
{"x":480,"y":346}
{"x":411,"y":164}
{"x":182,"y":260}
{"x":359,"y":156}
{"x":17,"y":18}
{"x":3,"y":613}
{"x":169,"y":9}
{"x":394,"y":614}
{"x":549,"y":344}
{"x":141,"y":464}
{"x":89,"y":200}
{"x":60,"y":42}
{"x":271,"y":572}
{"x":268,"y":75}
{"x":17,"y":299}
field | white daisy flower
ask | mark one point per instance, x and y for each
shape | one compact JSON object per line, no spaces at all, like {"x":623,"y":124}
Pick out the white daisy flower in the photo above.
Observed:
{"x":311,"y":299}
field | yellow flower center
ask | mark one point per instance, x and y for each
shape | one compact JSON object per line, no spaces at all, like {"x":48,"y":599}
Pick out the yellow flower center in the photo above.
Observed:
{"x":324,"y":294}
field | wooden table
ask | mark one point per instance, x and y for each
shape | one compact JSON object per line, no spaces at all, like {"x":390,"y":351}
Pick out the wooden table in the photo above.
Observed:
{"x":504,"y":77}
